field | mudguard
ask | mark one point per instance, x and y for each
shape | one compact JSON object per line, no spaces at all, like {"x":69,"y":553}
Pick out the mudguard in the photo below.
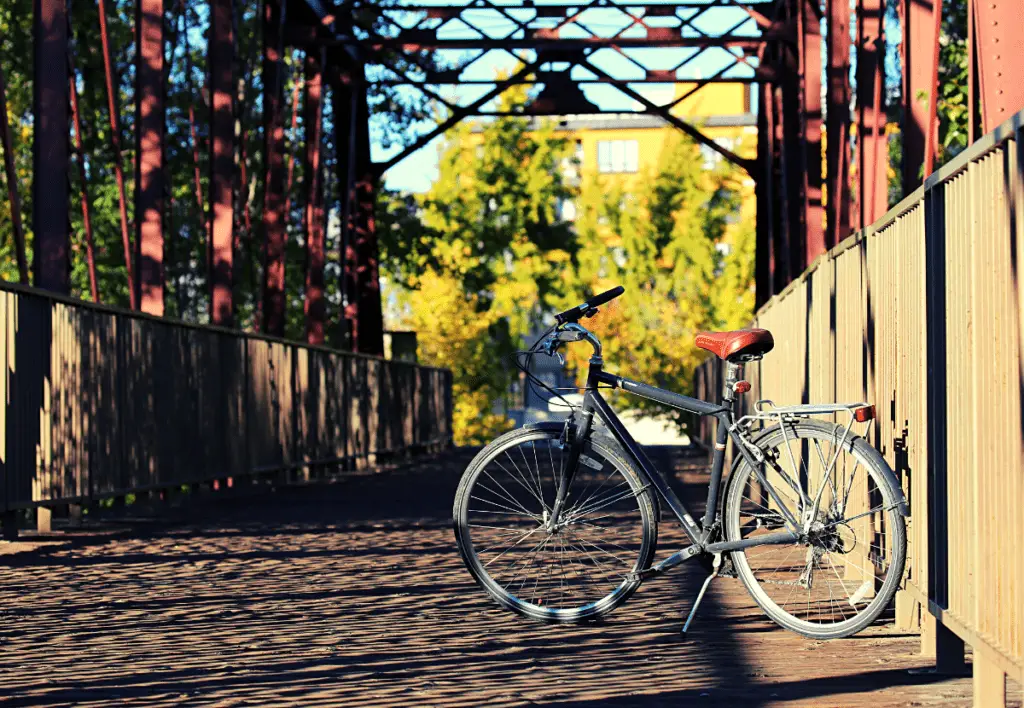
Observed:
{"x":870,"y":451}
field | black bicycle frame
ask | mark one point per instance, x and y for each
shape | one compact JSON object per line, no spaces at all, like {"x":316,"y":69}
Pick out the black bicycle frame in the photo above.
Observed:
{"x":701,"y":535}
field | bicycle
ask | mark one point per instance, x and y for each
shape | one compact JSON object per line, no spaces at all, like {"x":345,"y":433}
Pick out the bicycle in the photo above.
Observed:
{"x":559,"y":521}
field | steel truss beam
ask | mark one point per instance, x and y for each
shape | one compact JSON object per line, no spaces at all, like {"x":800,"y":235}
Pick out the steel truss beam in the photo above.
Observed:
{"x":316,"y":305}
{"x":872,"y":201}
{"x":222,"y":154}
{"x":918,"y":35}
{"x":149,"y":121}
{"x":272,"y":315}
{"x":838,"y":111}
{"x":50,"y":143}
{"x":1000,"y":51}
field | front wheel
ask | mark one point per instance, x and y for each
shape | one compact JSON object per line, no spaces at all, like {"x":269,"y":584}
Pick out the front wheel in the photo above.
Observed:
{"x":582,"y":569}
{"x":848,"y":565}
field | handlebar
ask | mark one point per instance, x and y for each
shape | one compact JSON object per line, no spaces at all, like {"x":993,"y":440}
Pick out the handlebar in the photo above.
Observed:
{"x":573,"y":314}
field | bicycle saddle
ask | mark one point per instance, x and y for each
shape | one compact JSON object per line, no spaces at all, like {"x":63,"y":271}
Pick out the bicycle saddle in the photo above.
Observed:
{"x":740,"y":345}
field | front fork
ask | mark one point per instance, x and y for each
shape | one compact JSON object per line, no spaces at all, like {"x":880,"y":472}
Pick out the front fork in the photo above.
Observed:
{"x":573,"y":437}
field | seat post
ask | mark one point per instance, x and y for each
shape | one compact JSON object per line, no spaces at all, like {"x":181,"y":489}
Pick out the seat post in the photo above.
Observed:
{"x":733,"y":373}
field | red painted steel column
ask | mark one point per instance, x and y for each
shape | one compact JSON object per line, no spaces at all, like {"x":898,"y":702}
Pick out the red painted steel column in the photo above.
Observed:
{"x":12,"y":183}
{"x":52,"y":251}
{"x":918,"y":36}
{"x":149,"y":132}
{"x":222,"y":152}
{"x":794,"y":157}
{"x":314,"y":216}
{"x":275,"y":233}
{"x":297,"y":86}
{"x":838,"y":111}
{"x":814,"y":210}
{"x":90,"y":247}
{"x":783,"y":249}
{"x":763,"y":256}
{"x":345,"y":105}
{"x":370,"y":324}
{"x":871,"y":140}
{"x":931,"y":143}
{"x":115,"y":144}
{"x":1000,"y":48}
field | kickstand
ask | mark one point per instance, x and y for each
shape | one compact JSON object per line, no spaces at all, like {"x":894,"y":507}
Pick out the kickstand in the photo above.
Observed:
{"x":716,"y":564}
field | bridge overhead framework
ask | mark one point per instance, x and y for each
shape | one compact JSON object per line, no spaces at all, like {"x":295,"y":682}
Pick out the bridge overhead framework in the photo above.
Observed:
{"x":355,"y":49}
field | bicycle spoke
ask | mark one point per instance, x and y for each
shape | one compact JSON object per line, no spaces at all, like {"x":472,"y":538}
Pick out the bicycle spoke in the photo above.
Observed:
{"x":563,"y":569}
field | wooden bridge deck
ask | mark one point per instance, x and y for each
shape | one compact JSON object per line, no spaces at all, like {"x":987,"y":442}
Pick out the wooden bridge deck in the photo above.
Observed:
{"x":353,"y":594}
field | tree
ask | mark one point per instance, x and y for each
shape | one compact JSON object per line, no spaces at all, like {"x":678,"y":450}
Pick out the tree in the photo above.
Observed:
{"x":683,"y":256}
{"x":478,"y":259}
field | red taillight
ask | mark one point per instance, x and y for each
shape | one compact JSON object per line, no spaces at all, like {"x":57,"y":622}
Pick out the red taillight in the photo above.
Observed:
{"x":864,"y":414}
{"x":741,"y":386}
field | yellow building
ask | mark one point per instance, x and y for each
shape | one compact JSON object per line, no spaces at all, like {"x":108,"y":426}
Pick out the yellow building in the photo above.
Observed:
{"x":631,"y":143}
{"x":625,"y":147}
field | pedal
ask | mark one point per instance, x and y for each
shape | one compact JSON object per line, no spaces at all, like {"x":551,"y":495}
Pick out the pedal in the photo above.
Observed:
{"x":728,"y":570}
{"x":716,"y":565}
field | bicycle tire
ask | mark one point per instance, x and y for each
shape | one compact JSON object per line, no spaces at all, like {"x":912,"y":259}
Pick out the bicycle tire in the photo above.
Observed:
{"x":835,"y":537}
{"x":601,"y":458}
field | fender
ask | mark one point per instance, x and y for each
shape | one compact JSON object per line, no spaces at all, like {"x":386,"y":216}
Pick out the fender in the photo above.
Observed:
{"x":868,"y":450}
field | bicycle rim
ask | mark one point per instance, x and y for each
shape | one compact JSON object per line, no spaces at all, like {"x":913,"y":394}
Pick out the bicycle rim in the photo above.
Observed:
{"x":583,"y":568}
{"x":844,"y":575}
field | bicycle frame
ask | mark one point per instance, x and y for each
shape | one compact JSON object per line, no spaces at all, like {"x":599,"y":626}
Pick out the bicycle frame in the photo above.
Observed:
{"x":700,"y":534}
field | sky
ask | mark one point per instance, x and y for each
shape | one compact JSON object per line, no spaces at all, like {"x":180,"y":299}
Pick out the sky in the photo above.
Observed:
{"x":418,"y":171}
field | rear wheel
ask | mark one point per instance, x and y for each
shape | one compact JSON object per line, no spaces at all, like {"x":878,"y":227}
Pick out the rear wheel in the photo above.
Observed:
{"x":843,"y":574}
{"x":581,"y":570}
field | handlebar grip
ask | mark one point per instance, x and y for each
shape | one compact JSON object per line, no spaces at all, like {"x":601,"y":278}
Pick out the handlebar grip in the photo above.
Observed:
{"x":606,"y":296}
{"x":574,"y":313}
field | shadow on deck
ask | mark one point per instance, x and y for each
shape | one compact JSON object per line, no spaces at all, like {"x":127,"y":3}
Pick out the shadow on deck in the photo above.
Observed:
{"x":353,"y":594}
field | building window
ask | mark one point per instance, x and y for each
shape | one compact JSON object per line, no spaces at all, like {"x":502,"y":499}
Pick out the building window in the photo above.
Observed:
{"x":618,"y":155}
{"x":712,"y":157}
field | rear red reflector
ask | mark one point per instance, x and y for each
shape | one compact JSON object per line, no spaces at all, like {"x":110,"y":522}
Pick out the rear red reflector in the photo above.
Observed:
{"x":741,"y":386}
{"x":863,"y":415}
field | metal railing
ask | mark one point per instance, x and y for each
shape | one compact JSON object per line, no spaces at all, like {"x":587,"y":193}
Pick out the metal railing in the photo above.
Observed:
{"x":921,"y":314}
{"x":101,"y":402}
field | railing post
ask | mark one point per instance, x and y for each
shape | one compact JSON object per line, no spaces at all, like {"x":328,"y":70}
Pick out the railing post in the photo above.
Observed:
{"x":940,"y":642}
{"x":44,"y":519}
{"x":9,"y":525}
{"x":989,"y":681}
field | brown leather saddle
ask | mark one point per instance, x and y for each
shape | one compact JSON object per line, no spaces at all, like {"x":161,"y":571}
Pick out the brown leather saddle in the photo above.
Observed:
{"x":739,"y":345}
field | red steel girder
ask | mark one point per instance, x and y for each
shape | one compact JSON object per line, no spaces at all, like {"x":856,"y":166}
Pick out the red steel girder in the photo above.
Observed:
{"x":917,"y":56}
{"x":810,"y":111}
{"x":149,"y":122}
{"x":272,"y":316}
{"x":557,"y":9}
{"x":368,"y":325}
{"x":999,"y":40}
{"x":838,"y":112}
{"x":50,"y":147}
{"x":764,"y":253}
{"x":346,"y":106}
{"x":12,"y":182}
{"x":422,"y":41}
{"x":297,"y":86}
{"x":222,"y":154}
{"x":316,"y":304}
{"x":457,"y":115}
{"x":871,"y":140}
{"x":652,"y":77}
{"x":90,"y":248}
{"x":115,"y":144}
